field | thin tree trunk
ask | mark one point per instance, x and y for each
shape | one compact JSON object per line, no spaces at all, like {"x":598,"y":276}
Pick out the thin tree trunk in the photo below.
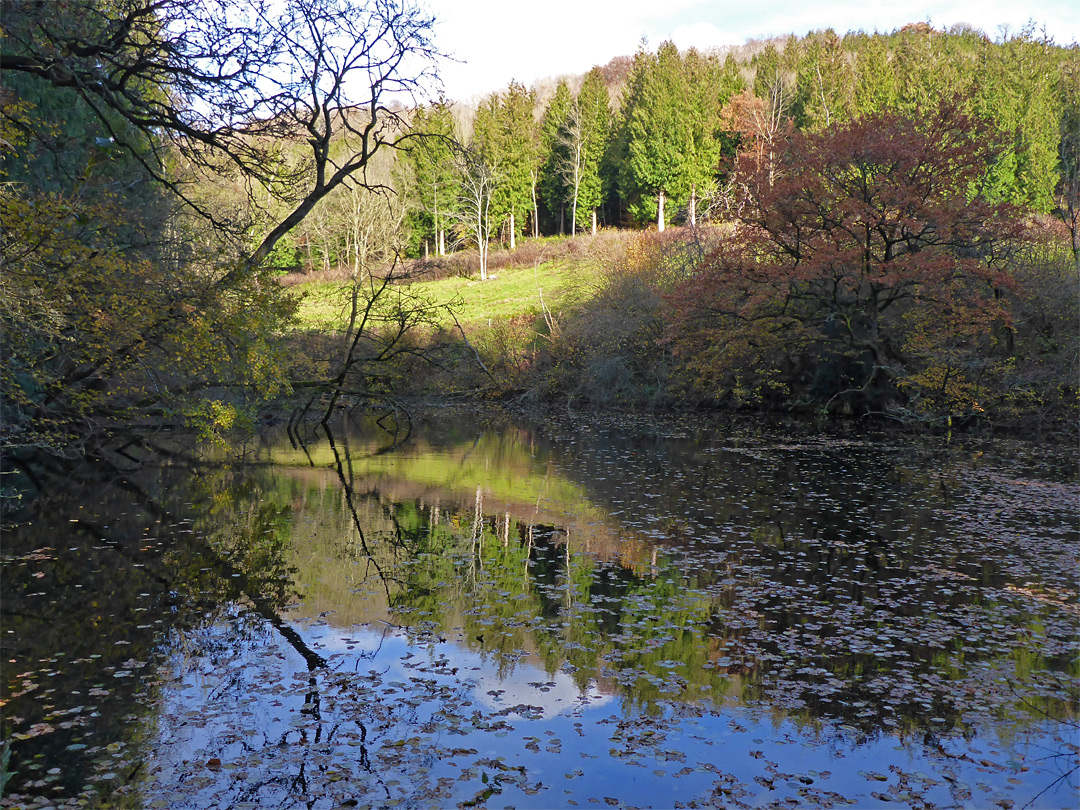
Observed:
{"x":435,"y":187}
{"x":536,"y":212}
{"x":594,"y":222}
{"x":693,"y":206}
{"x":512,"y":243}
{"x":660,"y":213}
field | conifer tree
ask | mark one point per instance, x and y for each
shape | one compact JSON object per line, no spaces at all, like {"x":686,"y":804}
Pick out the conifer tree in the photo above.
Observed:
{"x":551,"y":184}
{"x":660,"y":141}
{"x":505,"y":136}
{"x":595,"y":105}
{"x":433,"y":182}
{"x":826,"y":82}
{"x":876,"y":84}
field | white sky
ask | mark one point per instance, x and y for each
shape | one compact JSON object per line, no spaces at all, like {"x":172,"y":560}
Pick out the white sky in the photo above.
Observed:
{"x":500,"y":40}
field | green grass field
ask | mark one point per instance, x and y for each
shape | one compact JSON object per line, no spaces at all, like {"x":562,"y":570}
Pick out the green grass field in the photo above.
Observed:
{"x":509,"y":291}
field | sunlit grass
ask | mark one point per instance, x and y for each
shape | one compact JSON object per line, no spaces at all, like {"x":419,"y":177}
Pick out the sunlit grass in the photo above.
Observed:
{"x":509,"y":291}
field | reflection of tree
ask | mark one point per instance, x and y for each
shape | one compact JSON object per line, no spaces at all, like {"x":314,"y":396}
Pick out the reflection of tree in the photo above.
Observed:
{"x":805,"y":624}
{"x":167,"y":552}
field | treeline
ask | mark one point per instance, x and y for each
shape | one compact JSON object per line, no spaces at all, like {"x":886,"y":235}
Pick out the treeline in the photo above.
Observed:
{"x":875,"y":225}
{"x":651,"y":139}
{"x":872,"y":268}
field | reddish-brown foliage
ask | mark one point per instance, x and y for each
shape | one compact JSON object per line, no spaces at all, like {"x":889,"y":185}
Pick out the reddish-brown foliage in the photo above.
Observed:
{"x":869,"y":241}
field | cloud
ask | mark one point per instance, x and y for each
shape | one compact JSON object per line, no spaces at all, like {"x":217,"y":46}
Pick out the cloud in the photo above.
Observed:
{"x":703,"y":35}
{"x":503,"y":41}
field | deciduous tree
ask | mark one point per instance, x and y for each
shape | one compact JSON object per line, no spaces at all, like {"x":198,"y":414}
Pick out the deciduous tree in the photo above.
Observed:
{"x":861,"y":239}
{"x":180,"y":87}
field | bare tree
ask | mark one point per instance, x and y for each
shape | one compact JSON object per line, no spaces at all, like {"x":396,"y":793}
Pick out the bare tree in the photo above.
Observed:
{"x":763,"y":122}
{"x":474,"y":211}
{"x":221,"y":82}
{"x":571,"y":158}
{"x":290,"y":99}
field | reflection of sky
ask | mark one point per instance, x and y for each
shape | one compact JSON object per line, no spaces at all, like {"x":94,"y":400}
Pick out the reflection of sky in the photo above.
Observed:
{"x":226,"y":705}
{"x":526,"y":684}
{"x":558,"y":694}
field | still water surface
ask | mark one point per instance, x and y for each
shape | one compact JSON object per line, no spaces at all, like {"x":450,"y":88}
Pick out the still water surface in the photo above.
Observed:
{"x":574,"y":612}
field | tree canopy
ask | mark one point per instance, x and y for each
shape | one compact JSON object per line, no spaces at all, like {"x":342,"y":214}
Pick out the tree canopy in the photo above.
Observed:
{"x":875,"y":246}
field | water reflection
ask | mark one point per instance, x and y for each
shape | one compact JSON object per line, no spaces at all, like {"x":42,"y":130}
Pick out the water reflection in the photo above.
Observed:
{"x":542,"y":616}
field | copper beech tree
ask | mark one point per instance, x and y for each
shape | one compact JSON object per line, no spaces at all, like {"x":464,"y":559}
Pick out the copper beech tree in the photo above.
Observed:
{"x":867,"y":271}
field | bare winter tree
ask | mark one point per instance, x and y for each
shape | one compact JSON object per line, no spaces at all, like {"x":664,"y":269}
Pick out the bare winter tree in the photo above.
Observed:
{"x":571,"y":160}
{"x":221,"y":82}
{"x":473,"y":214}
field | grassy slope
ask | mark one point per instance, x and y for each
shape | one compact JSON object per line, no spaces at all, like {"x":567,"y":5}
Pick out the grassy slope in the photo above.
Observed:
{"x":508,"y":291}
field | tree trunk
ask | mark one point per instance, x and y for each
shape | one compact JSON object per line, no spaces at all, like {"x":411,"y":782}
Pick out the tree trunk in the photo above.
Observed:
{"x":536,"y":213}
{"x":512,"y":243}
{"x":660,"y":213}
{"x":693,"y":206}
{"x":594,"y":222}
{"x":435,"y":187}
{"x":481,"y":242}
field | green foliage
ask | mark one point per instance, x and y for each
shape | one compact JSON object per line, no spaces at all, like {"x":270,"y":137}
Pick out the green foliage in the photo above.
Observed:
{"x":826,"y":82}
{"x":96,"y":333}
{"x":660,"y":141}
{"x":505,"y":138}
{"x":673,"y":140}
{"x":552,"y":185}
{"x":866,"y":257}
{"x":431,"y":180}
{"x":594,"y":108}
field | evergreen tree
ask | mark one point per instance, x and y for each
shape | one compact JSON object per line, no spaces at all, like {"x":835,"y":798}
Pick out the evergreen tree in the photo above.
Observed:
{"x":1017,"y":91}
{"x":876,"y":84}
{"x":710,"y":86}
{"x":1067,"y":192}
{"x":552,"y":154}
{"x":432,"y":181}
{"x":826,"y":82}
{"x":660,"y":140}
{"x":590,"y":115}
{"x":504,"y":136}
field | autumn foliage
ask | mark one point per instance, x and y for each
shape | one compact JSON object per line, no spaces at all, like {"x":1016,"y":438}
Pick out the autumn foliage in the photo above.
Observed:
{"x":868,"y":272}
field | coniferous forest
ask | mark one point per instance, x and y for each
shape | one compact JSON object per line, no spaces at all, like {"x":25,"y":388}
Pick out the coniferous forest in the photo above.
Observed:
{"x":859,"y":224}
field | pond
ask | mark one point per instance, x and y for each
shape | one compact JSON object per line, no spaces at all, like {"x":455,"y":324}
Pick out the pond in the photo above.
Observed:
{"x":567,"y":612}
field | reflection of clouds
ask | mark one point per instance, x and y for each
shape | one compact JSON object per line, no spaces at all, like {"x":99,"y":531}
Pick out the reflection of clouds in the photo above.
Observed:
{"x":390,"y":652}
{"x":552,"y":694}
